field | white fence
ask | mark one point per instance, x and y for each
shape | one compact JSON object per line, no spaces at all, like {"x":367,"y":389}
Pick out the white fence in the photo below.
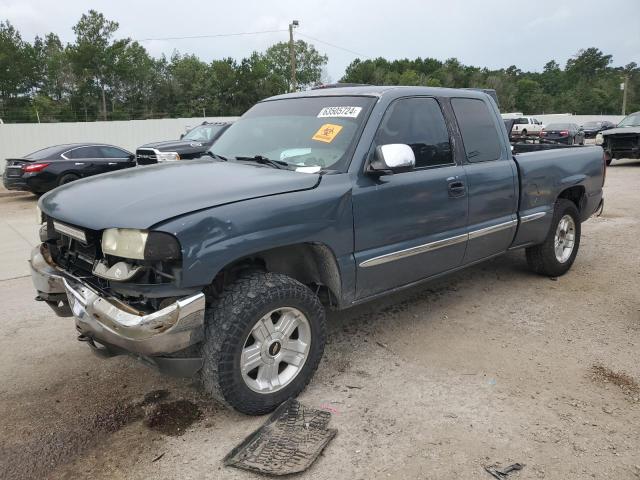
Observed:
{"x":577,"y":119}
{"x":18,"y":139}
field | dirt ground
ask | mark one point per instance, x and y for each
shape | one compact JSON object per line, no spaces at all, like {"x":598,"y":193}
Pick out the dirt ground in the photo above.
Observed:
{"x":492,"y":365}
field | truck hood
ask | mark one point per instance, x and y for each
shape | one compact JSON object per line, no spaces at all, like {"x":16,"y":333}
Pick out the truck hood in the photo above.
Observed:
{"x":180,"y":146}
{"x":626,"y":130}
{"x":141,"y":197}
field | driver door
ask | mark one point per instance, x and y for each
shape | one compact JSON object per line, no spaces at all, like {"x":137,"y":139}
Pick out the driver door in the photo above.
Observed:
{"x":412,"y":225}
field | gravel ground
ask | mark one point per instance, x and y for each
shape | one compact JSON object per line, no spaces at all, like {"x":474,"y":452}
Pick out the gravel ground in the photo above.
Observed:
{"x":492,"y":365}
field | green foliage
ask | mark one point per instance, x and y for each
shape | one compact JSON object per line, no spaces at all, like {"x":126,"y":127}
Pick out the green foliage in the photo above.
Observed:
{"x":309,"y":63}
{"x":587,"y":85}
{"x":99,"y":76}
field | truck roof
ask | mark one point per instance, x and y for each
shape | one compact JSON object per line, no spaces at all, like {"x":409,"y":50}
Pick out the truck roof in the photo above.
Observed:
{"x":379,"y":91}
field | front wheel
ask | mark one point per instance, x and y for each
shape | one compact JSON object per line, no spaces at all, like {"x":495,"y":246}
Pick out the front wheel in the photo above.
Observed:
{"x":264,"y":338}
{"x":555,"y":256}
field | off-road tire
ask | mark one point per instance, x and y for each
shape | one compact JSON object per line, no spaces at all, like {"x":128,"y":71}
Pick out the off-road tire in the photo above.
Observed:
{"x":229,"y":320}
{"x":542,"y":258}
{"x":67,"y":178}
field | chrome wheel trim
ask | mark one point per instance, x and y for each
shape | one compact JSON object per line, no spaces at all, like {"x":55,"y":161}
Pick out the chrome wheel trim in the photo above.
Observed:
{"x":276,"y":349}
{"x":565,"y":238}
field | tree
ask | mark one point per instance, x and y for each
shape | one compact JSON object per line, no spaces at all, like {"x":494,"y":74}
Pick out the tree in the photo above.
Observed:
{"x":93,"y":54}
{"x":309,"y":63}
{"x":17,"y":72}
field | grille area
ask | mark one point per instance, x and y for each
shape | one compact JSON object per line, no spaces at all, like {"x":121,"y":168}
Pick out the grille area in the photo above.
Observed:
{"x":146,"y":156}
{"x":71,"y":254}
{"x":624,"y":142}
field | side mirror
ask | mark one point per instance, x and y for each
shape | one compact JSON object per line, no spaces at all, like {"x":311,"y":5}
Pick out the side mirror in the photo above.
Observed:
{"x":132,"y":157}
{"x":181,"y":136}
{"x":393,"y":158}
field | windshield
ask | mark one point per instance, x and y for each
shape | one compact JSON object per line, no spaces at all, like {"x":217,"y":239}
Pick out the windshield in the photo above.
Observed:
{"x":316,"y":132}
{"x":632,"y":120}
{"x":592,"y":125}
{"x":203,"y":133}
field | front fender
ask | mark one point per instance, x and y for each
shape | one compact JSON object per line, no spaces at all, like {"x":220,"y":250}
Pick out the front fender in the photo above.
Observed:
{"x":214,"y":238}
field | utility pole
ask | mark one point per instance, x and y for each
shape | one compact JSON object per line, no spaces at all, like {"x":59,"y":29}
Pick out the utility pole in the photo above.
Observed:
{"x":292,"y":54}
{"x":624,"y":86}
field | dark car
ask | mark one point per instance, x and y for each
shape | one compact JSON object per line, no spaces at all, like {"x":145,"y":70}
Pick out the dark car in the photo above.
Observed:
{"x":50,"y":167}
{"x":192,"y":145}
{"x":568,"y":133}
{"x":591,"y":129}
{"x":622,"y":141}
{"x":222,"y":267}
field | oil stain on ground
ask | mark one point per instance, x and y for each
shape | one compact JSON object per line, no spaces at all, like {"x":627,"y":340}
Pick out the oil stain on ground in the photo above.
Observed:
{"x":172,"y":418}
{"x":37,"y":457}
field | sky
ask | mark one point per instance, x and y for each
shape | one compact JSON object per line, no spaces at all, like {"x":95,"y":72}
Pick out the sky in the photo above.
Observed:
{"x":488,"y":33}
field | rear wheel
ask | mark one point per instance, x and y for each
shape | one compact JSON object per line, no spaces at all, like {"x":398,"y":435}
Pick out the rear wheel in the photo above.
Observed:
{"x":555,"y":256}
{"x":264,"y":338}
{"x":67,"y":178}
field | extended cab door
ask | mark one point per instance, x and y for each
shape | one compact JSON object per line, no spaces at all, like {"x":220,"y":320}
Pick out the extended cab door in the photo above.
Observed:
{"x":412,"y":225}
{"x":491,"y":179}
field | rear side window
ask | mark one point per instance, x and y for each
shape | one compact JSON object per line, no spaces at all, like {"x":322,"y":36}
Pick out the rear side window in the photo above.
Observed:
{"x":84,"y":152}
{"x":479,"y":134}
{"x":419,"y":123}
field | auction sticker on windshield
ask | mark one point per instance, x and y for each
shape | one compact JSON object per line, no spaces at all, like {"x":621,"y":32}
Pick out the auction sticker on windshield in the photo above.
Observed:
{"x":337,"y":112}
{"x":327,"y":132}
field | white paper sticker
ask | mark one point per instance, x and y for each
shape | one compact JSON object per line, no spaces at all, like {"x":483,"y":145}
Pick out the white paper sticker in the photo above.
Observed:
{"x":312,"y":169}
{"x":335,"y":112}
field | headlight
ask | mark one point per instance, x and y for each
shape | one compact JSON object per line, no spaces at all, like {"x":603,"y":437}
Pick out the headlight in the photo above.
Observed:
{"x":168,"y":156}
{"x":124,"y":242}
{"x":599,"y":139}
{"x":140,"y":244}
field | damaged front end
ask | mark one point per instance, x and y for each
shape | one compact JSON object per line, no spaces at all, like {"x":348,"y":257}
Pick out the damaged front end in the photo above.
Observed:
{"x":121,"y":305}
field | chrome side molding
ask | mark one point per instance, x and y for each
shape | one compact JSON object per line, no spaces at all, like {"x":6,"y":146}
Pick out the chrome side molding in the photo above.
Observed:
{"x":531,"y":217}
{"x":427,"y":247}
{"x":492,"y":229}
{"x":431,"y":246}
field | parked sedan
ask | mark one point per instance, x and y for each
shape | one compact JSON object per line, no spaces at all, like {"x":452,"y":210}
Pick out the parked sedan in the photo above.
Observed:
{"x":568,"y":133}
{"x":591,"y":129}
{"x":50,"y":167}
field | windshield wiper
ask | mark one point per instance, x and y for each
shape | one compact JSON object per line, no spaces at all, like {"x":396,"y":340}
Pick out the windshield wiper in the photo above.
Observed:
{"x":216,"y":156}
{"x":265,"y":161}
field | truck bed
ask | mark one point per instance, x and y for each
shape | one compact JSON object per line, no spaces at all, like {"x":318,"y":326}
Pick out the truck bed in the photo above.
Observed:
{"x":544,"y":175}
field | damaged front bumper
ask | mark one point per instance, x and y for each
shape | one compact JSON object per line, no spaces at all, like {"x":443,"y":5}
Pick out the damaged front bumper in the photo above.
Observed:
{"x":111,"y":327}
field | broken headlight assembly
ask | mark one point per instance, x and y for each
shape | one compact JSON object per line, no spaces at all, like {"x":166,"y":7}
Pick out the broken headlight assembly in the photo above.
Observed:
{"x":140,"y":244}
{"x":134,"y":244}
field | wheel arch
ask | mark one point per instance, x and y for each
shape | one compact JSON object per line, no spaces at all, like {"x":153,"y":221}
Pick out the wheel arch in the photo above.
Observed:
{"x":309,"y":263}
{"x":576,"y":194}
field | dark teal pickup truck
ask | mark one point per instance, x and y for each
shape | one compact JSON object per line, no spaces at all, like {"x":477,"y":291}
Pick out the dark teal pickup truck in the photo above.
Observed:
{"x":223,"y":267}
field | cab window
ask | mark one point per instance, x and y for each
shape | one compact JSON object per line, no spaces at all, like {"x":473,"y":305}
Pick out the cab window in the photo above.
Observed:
{"x":419,"y":123}
{"x":479,"y":133}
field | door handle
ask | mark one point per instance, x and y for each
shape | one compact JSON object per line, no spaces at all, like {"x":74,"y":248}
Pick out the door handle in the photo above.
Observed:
{"x":457,"y":189}
{"x":113,"y":163}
